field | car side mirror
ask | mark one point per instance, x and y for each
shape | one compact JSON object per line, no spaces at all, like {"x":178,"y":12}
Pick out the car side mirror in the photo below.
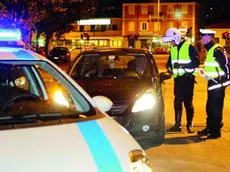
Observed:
{"x":103,"y":103}
{"x":164,"y":76}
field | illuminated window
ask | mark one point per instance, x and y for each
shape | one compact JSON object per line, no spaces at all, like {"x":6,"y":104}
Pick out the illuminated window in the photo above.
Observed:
{"x":170,"y":9}
{"x":131,"y":26}
{"x":112,"y":42}
{"x":115,"y":43}
{"x":144,"y":9}
{"x":119,"y":43}
{"x":101,"y":42}
{"x":170,"y":24}
{"x":105,"y":43}
{"x":184,"y":24}
{"x":144,"y":26}
{"x":131,"y":9}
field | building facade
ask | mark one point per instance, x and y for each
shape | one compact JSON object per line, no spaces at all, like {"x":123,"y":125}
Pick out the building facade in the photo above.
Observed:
{"x":149,"y":21}
{"x":94,"y":33}
{"x":222,"y":35}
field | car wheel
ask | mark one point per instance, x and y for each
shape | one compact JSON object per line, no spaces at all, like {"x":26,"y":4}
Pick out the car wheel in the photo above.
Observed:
{"x":160,"y":135}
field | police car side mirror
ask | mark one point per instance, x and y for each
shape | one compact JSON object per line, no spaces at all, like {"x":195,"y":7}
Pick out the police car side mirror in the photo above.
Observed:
{"x":164,"y":76}
{"x":103,"y":103}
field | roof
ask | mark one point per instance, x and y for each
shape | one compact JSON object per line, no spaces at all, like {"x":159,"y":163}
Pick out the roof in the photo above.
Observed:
{"x":15,"y":53}
{"x":223,"y":24}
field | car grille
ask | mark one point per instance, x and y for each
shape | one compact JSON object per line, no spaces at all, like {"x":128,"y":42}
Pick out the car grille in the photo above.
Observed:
{"x":118,"y":108}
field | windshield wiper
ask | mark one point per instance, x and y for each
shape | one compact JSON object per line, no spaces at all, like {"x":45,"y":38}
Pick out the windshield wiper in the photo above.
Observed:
{"x":34,"y":118}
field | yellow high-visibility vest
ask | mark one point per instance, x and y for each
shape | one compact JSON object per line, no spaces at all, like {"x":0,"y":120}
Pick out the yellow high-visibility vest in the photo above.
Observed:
{"x":181,"y":57}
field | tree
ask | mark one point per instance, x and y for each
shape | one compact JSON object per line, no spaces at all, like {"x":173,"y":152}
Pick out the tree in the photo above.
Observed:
{"x":58,"y":16}
{"x":50,"y":17}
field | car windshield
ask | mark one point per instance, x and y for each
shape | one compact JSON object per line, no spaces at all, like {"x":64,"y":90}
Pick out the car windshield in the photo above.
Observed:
{"x":110,"y":65}
{"x":35,"y":87}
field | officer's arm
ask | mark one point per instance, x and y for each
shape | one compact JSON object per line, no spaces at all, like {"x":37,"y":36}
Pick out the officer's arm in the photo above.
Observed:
{"x":219,"y":55}
{"x":195,"y":61}
{"x":169,"y":62}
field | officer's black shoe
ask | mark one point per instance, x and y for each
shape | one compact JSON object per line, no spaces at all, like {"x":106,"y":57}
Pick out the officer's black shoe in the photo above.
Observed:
{"x":204,"y":132}
{"x":175,"y":128}
{"x":189,"y":128}
{"x":214,"y":135}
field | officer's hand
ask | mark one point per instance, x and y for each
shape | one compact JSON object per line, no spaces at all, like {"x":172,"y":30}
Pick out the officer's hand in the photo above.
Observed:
{"x":176,"y":65}
{"x":206,"y":78}
{"x":169,"y":70}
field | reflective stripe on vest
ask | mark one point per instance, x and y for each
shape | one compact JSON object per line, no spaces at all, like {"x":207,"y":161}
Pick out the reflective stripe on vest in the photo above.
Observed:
{"x":181,"y":58}
{"x":219,"y":85}
{"x":211,"y":67}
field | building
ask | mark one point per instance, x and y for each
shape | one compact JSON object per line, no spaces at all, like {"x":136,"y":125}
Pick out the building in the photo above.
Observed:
{"x":143,"y":24}
{"x":222,"y":29}
{"x":94,"y":33}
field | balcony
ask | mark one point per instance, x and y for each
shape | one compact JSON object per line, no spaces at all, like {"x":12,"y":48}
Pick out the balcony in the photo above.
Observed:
{"x":153,"y":17}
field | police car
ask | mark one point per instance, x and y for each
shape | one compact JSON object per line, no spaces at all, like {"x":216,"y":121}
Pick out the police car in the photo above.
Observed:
{"x":49,"y":123}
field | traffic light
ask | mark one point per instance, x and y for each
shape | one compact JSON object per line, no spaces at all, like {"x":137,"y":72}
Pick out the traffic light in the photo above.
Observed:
{"x":226,"y":35}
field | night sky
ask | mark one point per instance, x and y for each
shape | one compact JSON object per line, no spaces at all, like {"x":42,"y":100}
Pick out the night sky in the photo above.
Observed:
{"x":215,"y":10}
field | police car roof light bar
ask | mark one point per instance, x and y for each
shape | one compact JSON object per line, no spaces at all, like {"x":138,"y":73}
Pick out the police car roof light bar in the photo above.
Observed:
{"x":10,"y":34}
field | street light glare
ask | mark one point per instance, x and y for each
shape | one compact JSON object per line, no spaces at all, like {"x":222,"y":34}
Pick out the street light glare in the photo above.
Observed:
{"x":178,"y":14}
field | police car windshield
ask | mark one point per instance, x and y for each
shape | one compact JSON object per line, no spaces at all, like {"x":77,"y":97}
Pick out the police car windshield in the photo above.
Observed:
{"x":103,"y":65}
{"x":35,"y":87}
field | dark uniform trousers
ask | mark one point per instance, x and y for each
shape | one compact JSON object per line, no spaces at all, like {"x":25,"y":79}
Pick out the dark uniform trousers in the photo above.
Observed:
{"x":214,"y":109}
{"x":183,"y":92}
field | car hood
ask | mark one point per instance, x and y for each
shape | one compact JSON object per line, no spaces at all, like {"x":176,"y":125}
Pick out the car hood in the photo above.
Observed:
{"x":116,"y":89}
{"x":80,"y":146}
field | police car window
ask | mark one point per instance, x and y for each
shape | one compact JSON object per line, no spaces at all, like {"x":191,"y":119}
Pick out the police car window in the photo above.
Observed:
{"x":34,"y":85}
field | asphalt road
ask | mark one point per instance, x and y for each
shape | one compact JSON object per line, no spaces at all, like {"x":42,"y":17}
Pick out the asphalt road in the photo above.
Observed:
{"x":183,"y":152}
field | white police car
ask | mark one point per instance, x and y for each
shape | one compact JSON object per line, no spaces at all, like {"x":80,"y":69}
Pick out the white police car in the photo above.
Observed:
{"x":49,"y":123}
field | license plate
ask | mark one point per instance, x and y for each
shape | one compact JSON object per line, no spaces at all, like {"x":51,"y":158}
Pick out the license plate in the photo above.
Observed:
{"x":55,"y":57}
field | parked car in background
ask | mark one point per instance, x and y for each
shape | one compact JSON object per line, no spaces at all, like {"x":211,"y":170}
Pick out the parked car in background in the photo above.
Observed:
{"x":59,"y":54}
{"x":130,"y":78}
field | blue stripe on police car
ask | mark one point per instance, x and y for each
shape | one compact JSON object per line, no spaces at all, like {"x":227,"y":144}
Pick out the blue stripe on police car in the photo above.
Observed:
{"x":100,"y":147}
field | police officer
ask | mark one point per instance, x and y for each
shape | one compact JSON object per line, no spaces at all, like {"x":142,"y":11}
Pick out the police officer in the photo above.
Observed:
{"x":216,"y":72}
{"x":183,"y":62}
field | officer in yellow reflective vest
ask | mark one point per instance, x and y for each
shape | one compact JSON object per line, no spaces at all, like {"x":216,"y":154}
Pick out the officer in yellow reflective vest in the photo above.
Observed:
{"x":216,"y":72}
{"x":183,"y":61}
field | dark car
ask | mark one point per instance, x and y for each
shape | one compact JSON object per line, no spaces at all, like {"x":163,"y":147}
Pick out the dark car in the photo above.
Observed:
{"x":59,"y":54}
{"x":130,"y":78}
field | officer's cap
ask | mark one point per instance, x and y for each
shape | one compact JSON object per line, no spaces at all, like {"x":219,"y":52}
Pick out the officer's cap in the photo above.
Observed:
{"x":207,"y":32}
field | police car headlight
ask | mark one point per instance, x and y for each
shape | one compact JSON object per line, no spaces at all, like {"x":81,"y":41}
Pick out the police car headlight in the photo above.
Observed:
{"x":145,"y":102}
{"x":138,"y":161}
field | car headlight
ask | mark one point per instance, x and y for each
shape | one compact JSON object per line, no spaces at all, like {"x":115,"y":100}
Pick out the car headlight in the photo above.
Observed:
{"x":138,"y":161}
{"x":145,"y":102}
